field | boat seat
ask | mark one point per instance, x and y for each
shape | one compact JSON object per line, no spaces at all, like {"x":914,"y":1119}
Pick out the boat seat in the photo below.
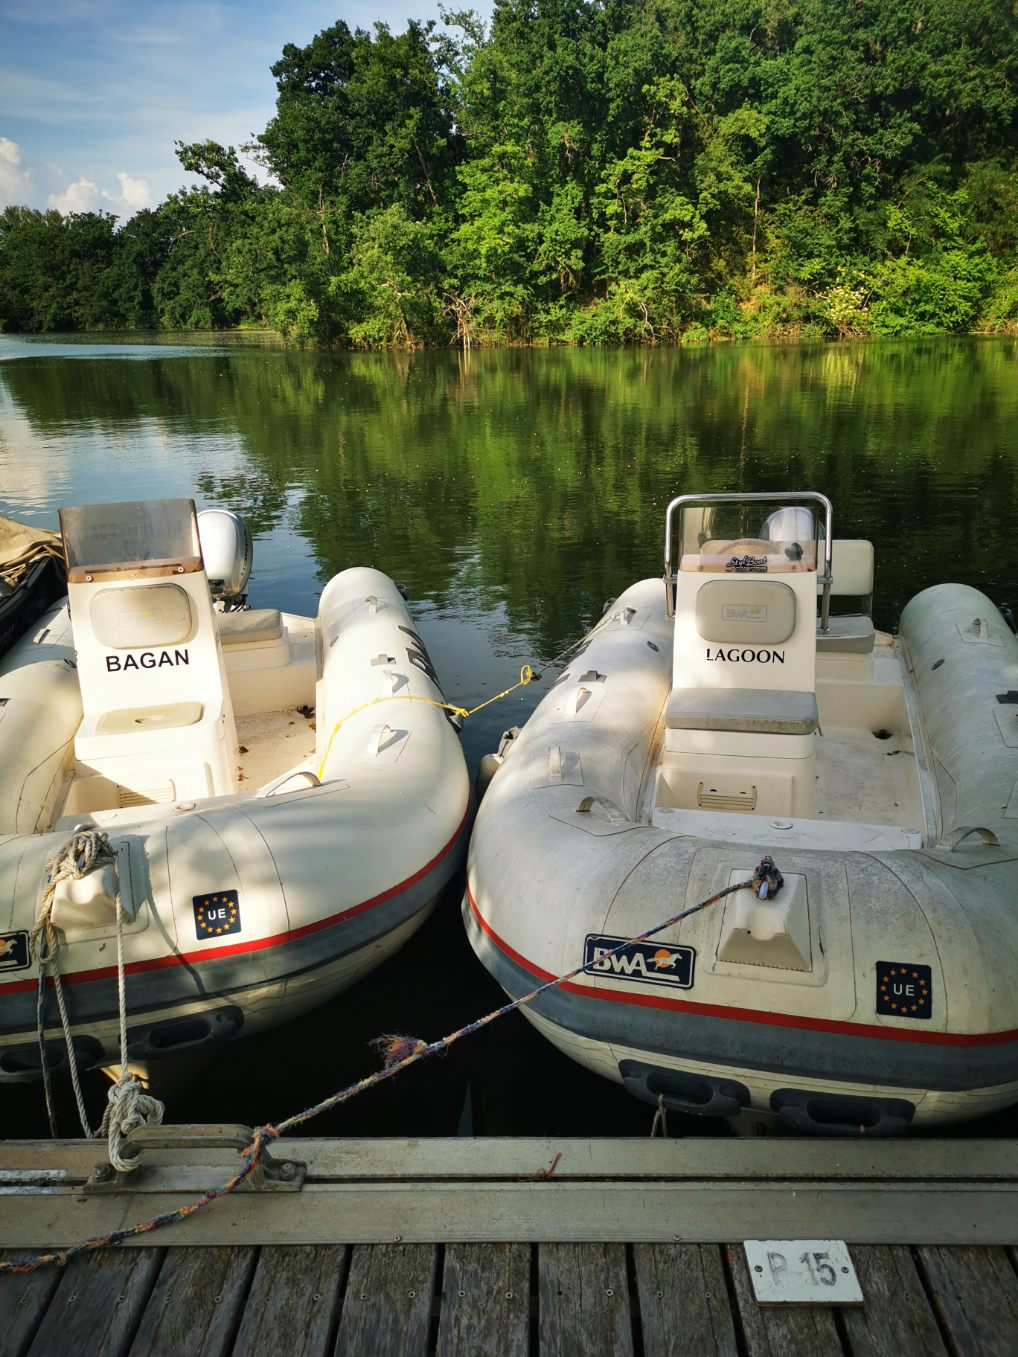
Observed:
{"x":250,"y":626}
{"x":853,"y":633}
{"x":752,"y":710}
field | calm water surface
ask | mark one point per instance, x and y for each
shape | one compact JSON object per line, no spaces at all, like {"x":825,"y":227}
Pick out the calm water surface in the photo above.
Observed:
{"x":512,"y":492}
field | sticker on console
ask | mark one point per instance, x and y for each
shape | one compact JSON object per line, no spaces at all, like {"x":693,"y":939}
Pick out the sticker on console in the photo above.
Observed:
{"x":654,"y":963}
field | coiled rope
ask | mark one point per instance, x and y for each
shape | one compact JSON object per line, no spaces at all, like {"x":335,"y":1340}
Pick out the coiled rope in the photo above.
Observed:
{"x":128,"y":1105}
{"x":398,"y":1053}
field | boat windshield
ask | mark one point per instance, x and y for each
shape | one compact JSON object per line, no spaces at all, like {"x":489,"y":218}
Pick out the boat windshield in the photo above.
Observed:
{"x":747,"y":538}
{"x":150,"y":536}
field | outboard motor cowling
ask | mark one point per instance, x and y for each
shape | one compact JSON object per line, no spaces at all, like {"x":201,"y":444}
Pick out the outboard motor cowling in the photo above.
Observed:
{"x":228,"y":552}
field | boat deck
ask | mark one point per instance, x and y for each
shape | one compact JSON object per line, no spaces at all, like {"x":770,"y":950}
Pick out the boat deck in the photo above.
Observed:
{"x":272,"y":742}
{"x":517,"y":1247}
{"x":864,"y":779}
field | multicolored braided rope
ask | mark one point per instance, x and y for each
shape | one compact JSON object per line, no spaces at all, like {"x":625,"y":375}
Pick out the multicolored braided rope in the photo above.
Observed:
{"x":398,"y":1052}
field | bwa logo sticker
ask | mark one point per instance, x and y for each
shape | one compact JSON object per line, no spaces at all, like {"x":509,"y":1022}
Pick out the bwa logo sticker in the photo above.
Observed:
{"x":654,"y":963}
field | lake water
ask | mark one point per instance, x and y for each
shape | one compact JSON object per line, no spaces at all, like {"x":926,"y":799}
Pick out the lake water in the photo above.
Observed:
{"x":512,"y":492}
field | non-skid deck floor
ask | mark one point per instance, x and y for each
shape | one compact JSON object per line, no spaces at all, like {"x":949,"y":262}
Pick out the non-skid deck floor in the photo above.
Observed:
{"x":270,"y":743}
{"x":866,"y":780}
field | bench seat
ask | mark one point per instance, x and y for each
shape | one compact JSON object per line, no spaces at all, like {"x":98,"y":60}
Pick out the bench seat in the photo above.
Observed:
{"x":750,"y":710}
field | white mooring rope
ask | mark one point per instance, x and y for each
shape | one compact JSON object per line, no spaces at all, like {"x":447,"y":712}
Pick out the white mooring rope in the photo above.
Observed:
{"x":128,"y":1105}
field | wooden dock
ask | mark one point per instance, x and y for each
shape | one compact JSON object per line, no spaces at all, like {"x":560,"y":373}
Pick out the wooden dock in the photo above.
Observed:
{"x":521,"y":1247}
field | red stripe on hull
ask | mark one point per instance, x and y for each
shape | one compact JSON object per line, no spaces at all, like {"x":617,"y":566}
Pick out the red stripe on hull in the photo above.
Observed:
{"x":239,"y":948}
{"x":849,"y":1029}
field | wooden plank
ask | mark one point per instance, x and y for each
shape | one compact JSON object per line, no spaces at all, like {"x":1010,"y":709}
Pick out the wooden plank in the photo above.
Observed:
{"x":760,"y":1159}
{"x":896,"y":1314}
{"x":24,"y":1298}
{"x":683,"y":1300}
{"x":293,"y":1302}
{"x":98,"y":1303}
{"x":485,"y":1300}
{"x":779,"y":1330}
{"x":196,"y":1304}
{"x":583,"y":1300}
{"x":975,"y":1294}
{"x":387,"y":1307}
{"x":527,"y":1212}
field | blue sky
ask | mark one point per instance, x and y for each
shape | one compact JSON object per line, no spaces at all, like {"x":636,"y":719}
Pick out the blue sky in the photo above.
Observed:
{"x":93,"y":93}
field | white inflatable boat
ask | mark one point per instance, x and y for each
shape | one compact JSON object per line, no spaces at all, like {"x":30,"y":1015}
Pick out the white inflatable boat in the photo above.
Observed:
{"x":728,"y":714}
{"x":263,"y":861}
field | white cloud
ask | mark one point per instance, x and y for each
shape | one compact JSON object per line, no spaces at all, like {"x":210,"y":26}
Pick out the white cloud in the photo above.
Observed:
{"x":134,"y":193}
{"x":85,"y":196}
{"x":15,"y":183}
{"x":81,"y":196}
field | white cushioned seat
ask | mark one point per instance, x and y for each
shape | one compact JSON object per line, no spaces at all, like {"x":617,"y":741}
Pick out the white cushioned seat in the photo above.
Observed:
{"x":852,"y":633}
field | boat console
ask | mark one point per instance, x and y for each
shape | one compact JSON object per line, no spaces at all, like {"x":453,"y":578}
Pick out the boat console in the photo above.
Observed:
{"x":741,"y":717}
{"x":157,"y":723}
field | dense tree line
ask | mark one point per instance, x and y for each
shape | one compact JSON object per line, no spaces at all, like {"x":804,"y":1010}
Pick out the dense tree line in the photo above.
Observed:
{"x":584,"y":171}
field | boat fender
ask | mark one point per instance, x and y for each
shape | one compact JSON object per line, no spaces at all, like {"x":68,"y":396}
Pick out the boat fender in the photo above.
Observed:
{"x":171,"y":1035}
{"x":841,"y":1114}
{"x":491,"y":763}
{"x":23,"y":1064}
{"x":679,"y":1091}
{"x":486,"y":770}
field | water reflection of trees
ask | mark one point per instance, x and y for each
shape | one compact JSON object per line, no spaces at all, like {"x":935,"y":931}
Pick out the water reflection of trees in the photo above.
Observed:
{"x":538,"y":479}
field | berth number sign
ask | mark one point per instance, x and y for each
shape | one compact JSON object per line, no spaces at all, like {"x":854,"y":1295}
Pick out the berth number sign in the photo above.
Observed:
{"x":802,"y":1272}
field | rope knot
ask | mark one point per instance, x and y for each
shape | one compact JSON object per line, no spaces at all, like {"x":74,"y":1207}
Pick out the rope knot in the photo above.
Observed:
{"x":395,"y":1048}
{"x":128,"y":1107}
{"x":767,"y":880}
{"x":262,"y":1138}
{"x":83,"y":852}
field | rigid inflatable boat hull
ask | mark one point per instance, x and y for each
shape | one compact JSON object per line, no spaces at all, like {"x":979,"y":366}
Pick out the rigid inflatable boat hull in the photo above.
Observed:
{"x":243,"y":910}
{"x":563,"y":860}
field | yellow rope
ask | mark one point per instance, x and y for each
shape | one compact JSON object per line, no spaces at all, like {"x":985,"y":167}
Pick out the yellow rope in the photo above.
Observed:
{"x":526,"y":675}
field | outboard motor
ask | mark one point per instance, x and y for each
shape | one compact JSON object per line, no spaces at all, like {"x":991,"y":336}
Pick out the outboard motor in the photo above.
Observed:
{"x":227,"y":551}
{"x":792,"y":527}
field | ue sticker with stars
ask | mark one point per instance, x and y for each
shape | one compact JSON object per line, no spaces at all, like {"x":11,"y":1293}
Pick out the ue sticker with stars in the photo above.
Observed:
{"x":216,"y":914}
{"x":904,"y":989}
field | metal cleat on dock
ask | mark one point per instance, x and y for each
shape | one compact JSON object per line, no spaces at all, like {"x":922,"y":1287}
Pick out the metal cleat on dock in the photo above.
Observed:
{"x":178,"y":1172}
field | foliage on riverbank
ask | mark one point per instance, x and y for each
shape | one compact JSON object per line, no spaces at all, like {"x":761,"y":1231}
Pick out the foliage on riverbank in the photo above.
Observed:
{"x":586,"y":172}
